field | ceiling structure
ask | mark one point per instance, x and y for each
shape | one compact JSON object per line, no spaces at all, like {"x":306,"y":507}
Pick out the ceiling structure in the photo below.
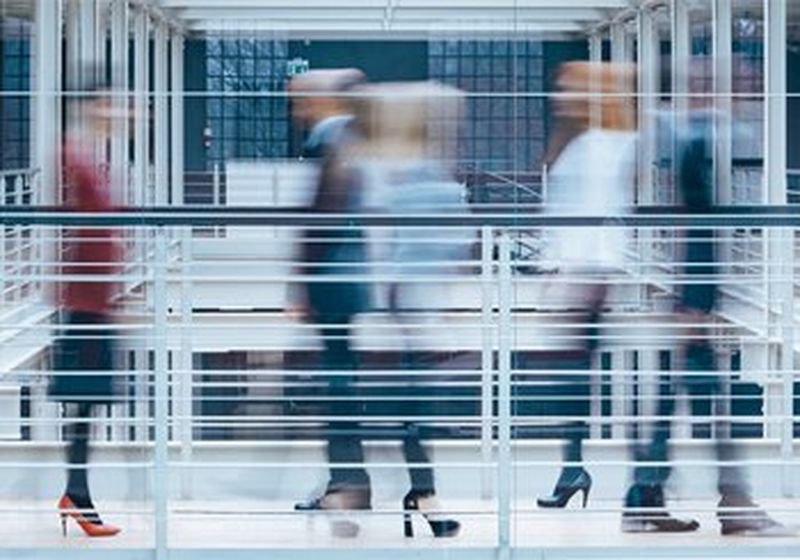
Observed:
{"x":394,"y":18}
{"x":401,"y":19}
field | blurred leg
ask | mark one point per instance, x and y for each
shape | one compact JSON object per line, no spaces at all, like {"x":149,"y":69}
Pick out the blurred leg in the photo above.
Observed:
{"x":422,"y":480}
{"x":77,"y":434}
{"x":344,"y":436}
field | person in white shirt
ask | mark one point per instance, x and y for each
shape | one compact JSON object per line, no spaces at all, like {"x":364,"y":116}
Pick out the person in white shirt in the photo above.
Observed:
{"x":592,"y":175}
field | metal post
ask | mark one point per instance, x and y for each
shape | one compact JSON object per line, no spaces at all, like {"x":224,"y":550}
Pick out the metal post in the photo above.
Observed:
{"x":487,"y":358}
{"x":48,"y":85}
{"x":723,"y":88}
{"x":72,"y":25}
{"x":141,"y":156}
{"x":620,"y":391}
{"x":505,"y":469}
{"x":87,"y":50}
{"x":775,"y":87}
{"x":161,"y":455}
{"x":216,"y":186}
{"x":142,"y":118}
{"x":545,"y":182}
{"x":185,"y":377}
{"x":618,"y":46}
{"x":119,"y":86}
{"x":161,"y":121}
{"x":177,"y":192}
{"x":681,"y":60}
{"x":649,"y":58}
{"x":648,"y":390}
{"x":781,"y":260}
{"x":596,"y":397}
{"x":46,"y":131}
{"x":596,"y":57}
{"x":120,"y":40}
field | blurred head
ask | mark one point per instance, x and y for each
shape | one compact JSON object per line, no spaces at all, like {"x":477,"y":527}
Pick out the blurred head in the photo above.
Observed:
{"x":581,"y":81}
{"x":90,"y":104}
{"x":314,"y":94}
{"x":409,"y":119}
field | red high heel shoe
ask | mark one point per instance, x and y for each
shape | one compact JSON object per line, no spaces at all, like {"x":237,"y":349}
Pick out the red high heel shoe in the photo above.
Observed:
{"x":67,"y":508}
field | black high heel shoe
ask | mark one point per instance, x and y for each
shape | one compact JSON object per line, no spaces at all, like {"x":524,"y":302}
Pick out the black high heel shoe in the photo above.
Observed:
{"x":439,"y":527}
{"x":567,"y":486}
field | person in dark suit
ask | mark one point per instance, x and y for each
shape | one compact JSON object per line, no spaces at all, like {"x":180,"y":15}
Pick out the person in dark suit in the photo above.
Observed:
{"x":84,"y":350}
{"x":645,"y":500}
{"x":333,"y":304}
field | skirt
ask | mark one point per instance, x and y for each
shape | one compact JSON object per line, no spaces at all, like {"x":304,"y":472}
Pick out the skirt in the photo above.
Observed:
{"x":84,"y":347}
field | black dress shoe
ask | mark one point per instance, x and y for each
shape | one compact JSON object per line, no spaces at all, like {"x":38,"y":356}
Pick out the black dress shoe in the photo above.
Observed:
{"x":311,"y":504}
{"x":648,"y":513}
{"x":656,"y":522}
{"x":743,"y":518}
{"x":339,"y":497}
{"x":418,"y":502}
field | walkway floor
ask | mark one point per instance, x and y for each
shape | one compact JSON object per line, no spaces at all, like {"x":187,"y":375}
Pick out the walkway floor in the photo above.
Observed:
{"x":231,"y":525}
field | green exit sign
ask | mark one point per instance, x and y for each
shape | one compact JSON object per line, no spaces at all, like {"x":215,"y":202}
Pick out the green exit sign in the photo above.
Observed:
{"x":296,"y":66}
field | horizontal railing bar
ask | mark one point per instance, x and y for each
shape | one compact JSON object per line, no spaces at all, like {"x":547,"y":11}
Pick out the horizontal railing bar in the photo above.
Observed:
{"x":653,"y":216}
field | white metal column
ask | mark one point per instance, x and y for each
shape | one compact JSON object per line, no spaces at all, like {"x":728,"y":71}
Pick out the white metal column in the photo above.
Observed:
{"x":142,"y":119}
{"x":87,"y":42}
{"x":177,"y":99}
{"x":618,"y":41}
{"x":161,"y":405}
{"x":781,"y":244}
{"x":119,"y":86}
{"x":648,"y":79}
{"x":595,"y":56}
{"x":723,"y":102}
{"x":48,"y":85}
{"x":681,"y":39}
{"x":185,"y":382}
{"x":488,"y":343}
{"x":46,"y":133}
{"x":72,"y":23}
{"x":141,"y":150}
{"x":596,"y":120}
{"x":505,"y":470}
{"x":161,"y":113}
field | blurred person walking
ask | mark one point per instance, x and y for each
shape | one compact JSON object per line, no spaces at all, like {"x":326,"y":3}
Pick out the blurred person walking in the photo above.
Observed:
{"x":402,"y":168}
{"x":85,"y":348}
{"x":592,"y":174}
{"x":322,"y":105}
{"x":645,"y":501}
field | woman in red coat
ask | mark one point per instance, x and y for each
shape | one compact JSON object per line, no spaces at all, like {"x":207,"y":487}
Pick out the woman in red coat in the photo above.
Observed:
{"x":84,"y":350}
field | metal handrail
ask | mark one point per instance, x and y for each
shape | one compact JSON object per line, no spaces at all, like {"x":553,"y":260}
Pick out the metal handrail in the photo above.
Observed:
{"x":30,"y":172}
{"x":527,"y":216}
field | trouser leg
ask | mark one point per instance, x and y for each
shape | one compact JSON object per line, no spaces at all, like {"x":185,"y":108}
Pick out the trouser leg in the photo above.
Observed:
{"x":343,"y":435}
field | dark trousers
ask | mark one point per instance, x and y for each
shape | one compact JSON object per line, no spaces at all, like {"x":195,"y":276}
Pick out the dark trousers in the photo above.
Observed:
{"x":344,"y":436}
{"x":593,"y":297}
{"x":77,"y":436}
{"x":702,"y":389}
{"x":420,"y":475}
